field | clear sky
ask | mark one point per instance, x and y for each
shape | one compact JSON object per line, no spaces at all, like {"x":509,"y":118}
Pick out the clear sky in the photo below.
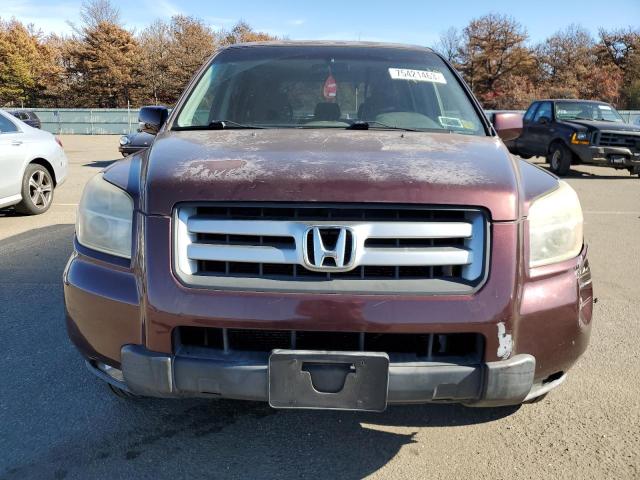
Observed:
{"x":405,"y":21}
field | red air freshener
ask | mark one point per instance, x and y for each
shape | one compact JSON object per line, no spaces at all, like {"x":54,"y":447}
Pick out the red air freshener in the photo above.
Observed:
{"x":330,"y":89}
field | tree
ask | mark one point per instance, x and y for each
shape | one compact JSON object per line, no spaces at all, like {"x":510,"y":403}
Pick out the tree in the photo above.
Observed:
{"x":104,"y":61}
{"x":241,"y":33}
{"x":95,"y":12}
{"x":29,"y":70}
{"x":492,"y":55}
{"x":57,"y":80}
{"x":173,"y":52}
{"x":17,"y":50}
{"x":450,"y":45}
{"x":564,"y":58}
{"x":105,"y":65}
{"x":156,"y":83}
{"x":570,"y":67}
{"x":192,"y":42}
{"x":622,"y":48}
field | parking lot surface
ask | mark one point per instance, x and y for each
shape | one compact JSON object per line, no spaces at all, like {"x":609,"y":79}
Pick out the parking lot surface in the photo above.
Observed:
{"x":57,"y":421}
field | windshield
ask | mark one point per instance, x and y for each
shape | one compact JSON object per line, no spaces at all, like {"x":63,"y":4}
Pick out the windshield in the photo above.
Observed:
{"x":329,"y":87}
{"x":587,"y":111}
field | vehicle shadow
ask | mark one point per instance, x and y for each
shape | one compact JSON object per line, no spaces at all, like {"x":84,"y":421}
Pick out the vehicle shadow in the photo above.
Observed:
{"x":100,"y":163}
{"x":60,"y":421}
{"x":580,"y":174}
{"x":9,"y":212}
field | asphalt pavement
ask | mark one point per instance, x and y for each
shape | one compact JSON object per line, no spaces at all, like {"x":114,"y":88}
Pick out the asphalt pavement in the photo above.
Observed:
{"x":59,"y":422}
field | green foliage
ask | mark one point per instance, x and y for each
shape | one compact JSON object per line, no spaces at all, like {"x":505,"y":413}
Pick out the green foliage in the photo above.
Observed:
{"x":18,"y":63}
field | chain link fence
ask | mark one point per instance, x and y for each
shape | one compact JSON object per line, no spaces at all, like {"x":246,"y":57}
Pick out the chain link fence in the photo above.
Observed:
{"x":88,"y":121}
{"x":118,"y":121}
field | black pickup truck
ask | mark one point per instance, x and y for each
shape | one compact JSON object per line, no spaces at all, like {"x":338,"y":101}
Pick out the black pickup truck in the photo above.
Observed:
{"x":578,"y":131}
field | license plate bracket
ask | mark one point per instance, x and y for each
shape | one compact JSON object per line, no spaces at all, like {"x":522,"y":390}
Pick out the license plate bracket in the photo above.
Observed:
{"x":328,"y":380}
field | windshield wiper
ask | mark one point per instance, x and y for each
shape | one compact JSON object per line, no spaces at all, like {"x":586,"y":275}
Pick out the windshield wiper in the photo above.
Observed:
{"x":226,"y":124}
{"x":219,"y":125}
{"x":365,"y":125}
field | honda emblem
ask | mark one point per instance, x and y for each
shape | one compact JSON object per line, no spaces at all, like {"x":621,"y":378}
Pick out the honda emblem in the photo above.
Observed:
{"x":329,"y":248}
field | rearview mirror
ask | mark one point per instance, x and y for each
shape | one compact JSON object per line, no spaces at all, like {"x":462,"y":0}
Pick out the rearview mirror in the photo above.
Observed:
{"x":544,"y":120}
{"x":152,"y":119}
{"x":508,"y":125}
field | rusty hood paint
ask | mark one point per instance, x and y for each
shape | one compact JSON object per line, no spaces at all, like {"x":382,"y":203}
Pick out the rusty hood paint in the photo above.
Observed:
{"x":330,"y":165}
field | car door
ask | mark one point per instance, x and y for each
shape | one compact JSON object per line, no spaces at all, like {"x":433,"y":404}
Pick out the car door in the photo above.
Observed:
{"x":12,"y":155}
{"x":540,"y":129}
{"x":523,"y":142}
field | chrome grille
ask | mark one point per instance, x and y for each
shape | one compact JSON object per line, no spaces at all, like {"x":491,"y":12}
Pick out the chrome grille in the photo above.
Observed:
{"x":624,"y":140}
{"x":381,"y":248}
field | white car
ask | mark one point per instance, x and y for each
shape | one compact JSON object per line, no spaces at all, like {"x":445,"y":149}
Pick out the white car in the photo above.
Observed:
{"x":32,"y":164}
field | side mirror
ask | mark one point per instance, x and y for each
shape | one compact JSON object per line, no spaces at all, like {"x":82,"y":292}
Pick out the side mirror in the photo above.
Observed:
{"x":544,"y":120}
{"x":152,"y":119}
{"x":508,"y":125}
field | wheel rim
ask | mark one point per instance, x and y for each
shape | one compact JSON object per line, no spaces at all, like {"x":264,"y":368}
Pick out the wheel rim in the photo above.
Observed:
{"x":40,"y":189}
{"x":555,"y":159}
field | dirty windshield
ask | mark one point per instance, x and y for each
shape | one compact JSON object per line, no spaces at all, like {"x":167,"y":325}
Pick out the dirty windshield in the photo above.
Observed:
{"x":329,"y":87}
{"x":587,"y":111}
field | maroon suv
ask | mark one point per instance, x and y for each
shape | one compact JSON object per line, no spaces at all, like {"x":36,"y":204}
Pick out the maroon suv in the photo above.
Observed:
{"x":329,"y":225}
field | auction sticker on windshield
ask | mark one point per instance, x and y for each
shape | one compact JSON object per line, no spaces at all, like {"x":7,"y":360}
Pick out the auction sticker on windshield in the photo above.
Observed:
{"x":417,"y":75}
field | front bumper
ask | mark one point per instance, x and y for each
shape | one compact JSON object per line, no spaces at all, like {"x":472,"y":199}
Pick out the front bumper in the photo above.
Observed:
{"x":245,"y":376}
{"x":617,"y":157}
{"x":545,"y":316}
{"x":129,"y":149}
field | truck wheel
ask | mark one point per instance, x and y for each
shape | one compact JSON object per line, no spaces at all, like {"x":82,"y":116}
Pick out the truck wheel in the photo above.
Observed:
{"x":559,"y":158}
{"x":37,"y":190}
{"x":525,"y":157}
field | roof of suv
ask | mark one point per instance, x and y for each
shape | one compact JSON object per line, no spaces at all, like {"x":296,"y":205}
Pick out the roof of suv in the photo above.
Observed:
{"x":328,"y":43}
{"x":31,"y":113}
{"x":570,"y":100}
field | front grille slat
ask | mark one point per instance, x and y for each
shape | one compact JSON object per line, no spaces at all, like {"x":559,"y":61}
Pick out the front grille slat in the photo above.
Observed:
{"x":428,"y":256}
{"x":272,"y":247}
{"x":241,"y":254}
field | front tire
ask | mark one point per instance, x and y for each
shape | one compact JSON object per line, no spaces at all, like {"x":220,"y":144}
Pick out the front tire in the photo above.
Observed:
{"x":37,"y":190}
{"x":559,"y":159}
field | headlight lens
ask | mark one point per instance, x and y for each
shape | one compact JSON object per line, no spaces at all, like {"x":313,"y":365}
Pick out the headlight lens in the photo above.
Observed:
{"x":124,"y":140}
{"x":555,"y":227}
{"x":580,"y":138}
{"x":105,"y":218}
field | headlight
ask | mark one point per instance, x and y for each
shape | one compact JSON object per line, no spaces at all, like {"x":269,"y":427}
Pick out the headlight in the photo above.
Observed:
{"x":124,"y":140}
{"x":580,"y":138}
{"x":555,"y":227}
{"x":104,"y":218}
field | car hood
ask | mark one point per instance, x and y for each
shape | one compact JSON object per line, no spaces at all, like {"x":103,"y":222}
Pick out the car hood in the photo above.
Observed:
{"x":612,"y":126}
{"x":142,"y":139}
{"x":279,"y":165}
